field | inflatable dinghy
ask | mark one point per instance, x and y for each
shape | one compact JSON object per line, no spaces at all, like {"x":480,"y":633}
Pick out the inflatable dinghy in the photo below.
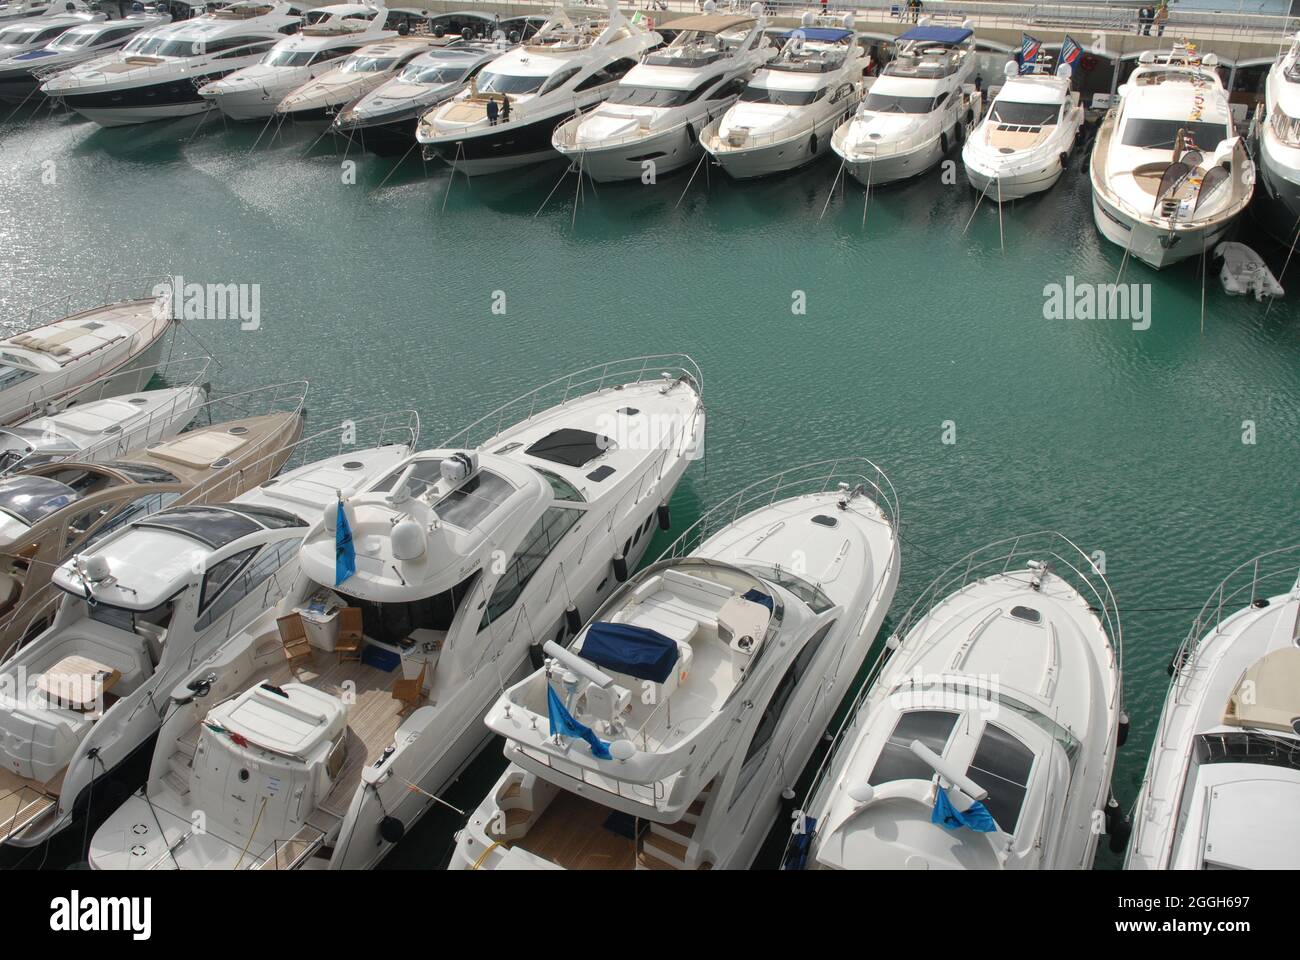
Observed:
{"x":1244,"y":272}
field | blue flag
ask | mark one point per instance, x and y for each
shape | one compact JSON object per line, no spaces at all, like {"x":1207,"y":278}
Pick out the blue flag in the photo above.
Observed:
{"x":345,"y":554}
{"x":946,"y":815}
{"x":562,"y":722}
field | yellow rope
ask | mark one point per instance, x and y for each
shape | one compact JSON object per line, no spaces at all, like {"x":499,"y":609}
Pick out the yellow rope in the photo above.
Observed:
{"x":483,"y":856}
{"x":256,"y":821}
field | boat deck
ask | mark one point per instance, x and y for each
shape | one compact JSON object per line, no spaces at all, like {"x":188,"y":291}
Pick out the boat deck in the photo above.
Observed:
{"x":571,"y":832}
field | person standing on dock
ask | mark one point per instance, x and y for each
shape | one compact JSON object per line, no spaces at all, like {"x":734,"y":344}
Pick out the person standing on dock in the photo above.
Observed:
{"x":1162,"y":15}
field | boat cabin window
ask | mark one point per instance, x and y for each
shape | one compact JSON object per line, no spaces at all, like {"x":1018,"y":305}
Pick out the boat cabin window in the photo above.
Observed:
{"x":220,"y":574}
{"x":12,"y":376}
{"x":361,"y":63}
{"x":781,"y":98}
{"x":429,"y":74}
{"x":636,"y":96}
{"x":610,"y":74}
{"x":82,"y":480}
{"x":1160,"y":134}
{"x":134,"y":510}
{"x":32,"y":499}
{"x":393,"y":623}
{"x":1016,"y":114}
{"x":425,"y":473}
{"x":543,"y":538}
{"x":247,"y":578}
{"x":562,"y":488}
{"x":127,"y":620}
{"x":559,"y":79}
{"x":470,"y":503}
{"x":1001,"y":766}
{"x":288,"y":58}
{"x":886,"y":103}
{"x":1242,"y":747}
{"x":142,"y":472}
{"x":897,"y":761}
{"x":573,"y":448}
{"x":272,"y":518}
{"x":816,"y":599}
{"x":489,"y":82}
{"x":211,"y":526}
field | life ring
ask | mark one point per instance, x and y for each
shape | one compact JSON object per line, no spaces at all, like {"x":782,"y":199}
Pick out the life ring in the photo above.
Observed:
{"x":1088,"y":63}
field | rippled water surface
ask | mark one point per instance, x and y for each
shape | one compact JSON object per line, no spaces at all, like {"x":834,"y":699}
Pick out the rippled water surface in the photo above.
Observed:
{"x":380,"y":294}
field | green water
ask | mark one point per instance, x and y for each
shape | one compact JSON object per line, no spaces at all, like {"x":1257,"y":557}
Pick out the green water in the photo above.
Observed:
{"x":1128,"y":441}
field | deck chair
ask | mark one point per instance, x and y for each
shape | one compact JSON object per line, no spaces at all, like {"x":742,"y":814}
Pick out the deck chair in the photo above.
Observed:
{"x":351,"y":638}
{"x":293,"y":638}
{"x":410,"y":692}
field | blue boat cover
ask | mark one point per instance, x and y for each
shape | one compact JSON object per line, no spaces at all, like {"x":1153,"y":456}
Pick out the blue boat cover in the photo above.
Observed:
{"x":937,"y":34}
{"x":827,"y":34}
{"x":637,"y":651}
{"x":758,"y":596}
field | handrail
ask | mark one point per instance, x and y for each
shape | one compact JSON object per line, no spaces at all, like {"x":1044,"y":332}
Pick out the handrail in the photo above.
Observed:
{"x":585,"y":381}
{"x":852,"y":474}
{"x":1231,"y":593}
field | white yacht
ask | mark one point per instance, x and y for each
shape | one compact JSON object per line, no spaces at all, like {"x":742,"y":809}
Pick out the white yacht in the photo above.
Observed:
{"x":17,"y":10}
{"x":987,"y":732}
{"x":467,"y":559}
{"x":666,"y":734}
{"x":21,"y":74}
{"x":1169,"y":172}
{"x":786,"y":114}
{"x":140,"y":608}
{"x":51,"y":365}
{"x":1023,"y":144}
{"x":328,"y":33}
{"x":103,"y":425}
{"x":1279,"y":143}
{"x":566,"y":67}
{"x":156,"y":76}
{"x":921,"y":106}
{"x":385,"y":119}
{"x":1222,"y":789}
{"x":657,"y":112}
{"x":321,"y":98}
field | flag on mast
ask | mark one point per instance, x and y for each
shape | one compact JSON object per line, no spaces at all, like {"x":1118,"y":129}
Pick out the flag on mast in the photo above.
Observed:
{"x":1029,"y":47}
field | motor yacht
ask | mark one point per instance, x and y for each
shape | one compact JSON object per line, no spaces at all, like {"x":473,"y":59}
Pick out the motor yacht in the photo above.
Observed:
{"x":922,"y":105}
{"x":1222,"y":788}
{"x":654,"y":116}
{"x":53,"y":509}
{"x":385,"y":119}
{"x":1169,"y":172}
{"x":54,"y":41}
{"x":157,"y":74}
{"x":666,"y":734}
{"x":786,"y":114}
{"x":1023,"y":144}
{"x":94,"y":430}
{"x":986,"y":734}
{"x":369,"y":67}
{"x":138,"y":609}
{"x":328,"y":34}
{"x":16,"y":10}
{"x":467,"y":558}
{"x":50,"y":365}
{"x":566,"y":67}
{"x":1278,"y":145}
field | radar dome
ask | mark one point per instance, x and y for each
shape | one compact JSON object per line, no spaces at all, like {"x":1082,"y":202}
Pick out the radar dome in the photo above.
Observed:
{"x":408,"y":540}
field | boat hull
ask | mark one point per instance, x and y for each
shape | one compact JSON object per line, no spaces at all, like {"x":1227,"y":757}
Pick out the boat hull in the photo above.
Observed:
{"x":1017,"y":186}
{"x":748,"y":163}
{"x":389,"y":139}
{"x":895,"y":167}
{"x":507,"y":146}
{"x":1158,"y":248}
{"x":668,"y":151}
{"x":164,"y":100}
{"x":1280,"y":203}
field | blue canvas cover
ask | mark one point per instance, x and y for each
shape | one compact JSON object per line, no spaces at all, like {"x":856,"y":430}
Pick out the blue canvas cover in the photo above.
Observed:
{"x":637,"y":651}
{"x":937,"y":34}
{"x":824,"y":34}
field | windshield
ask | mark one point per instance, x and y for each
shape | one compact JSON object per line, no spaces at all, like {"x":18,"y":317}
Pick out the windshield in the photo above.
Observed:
{"x":782,"y":98}
{"x":884,"y":103}
{"x":423,"y":73}
{"x":505,"y":83}
{"x":74,"y":39}
{"x":163,"y":47}
{"x":1024,"y":114}
{"x":288,"y":58}
{"x":1160,"y":134}
{"x":11,"y":376}
{"x":649,"y":96}
{"x":32,"y":499}
{"x":368,"y":64}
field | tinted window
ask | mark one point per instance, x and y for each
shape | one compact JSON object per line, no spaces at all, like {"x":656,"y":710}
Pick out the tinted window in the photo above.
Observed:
{"x":897,"y":761}
{"x":250,"y":579}
{"x":562,"y":488}
{"x":884,"y":103}
{"x":12,"y":376}
{"x":785,"y":98}
{"x":31,"y":499}
{"x":141,"y":472}
{"x":1001,"y":766}
{"x":1024,"y":114}
{"x":544,"y":537}
{"x":1139,"y":132}
{"x":467,"y":506}
{"x":781,"y":697}
{"x":216,"y":578}
{"x":270,"y":517}
{"x":137,"y":509}
{"x":208,"y":525}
